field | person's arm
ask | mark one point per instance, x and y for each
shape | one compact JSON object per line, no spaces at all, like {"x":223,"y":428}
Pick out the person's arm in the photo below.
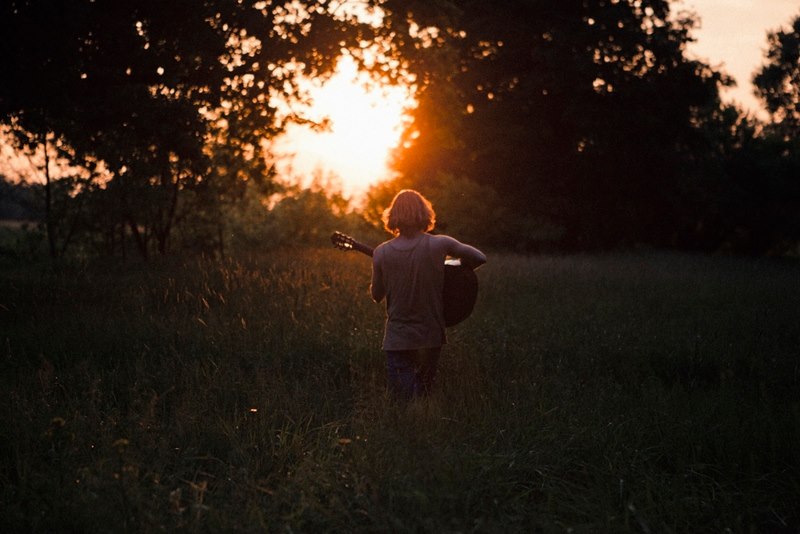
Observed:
{"x":376,"y":288}
{"x":469,"y":255}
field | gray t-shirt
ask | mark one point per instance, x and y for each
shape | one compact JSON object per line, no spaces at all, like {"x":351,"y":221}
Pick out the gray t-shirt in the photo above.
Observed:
{"x":414,"y":278}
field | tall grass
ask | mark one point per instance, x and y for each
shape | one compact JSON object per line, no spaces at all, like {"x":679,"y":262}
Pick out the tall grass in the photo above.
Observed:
{"x":608,"y":393}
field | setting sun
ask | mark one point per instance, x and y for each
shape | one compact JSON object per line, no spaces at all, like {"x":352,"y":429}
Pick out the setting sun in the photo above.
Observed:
{"x":365,"y":124}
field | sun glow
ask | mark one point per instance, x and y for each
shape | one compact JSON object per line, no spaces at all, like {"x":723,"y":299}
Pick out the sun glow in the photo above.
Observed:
{"x":365,"y":123}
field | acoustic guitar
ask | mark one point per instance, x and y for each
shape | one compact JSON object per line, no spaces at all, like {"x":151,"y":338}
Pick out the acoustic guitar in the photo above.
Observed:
{"x":460,"y":283}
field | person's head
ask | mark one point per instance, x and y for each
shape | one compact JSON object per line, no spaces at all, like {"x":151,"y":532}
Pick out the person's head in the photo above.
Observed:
{"x":409,"y":212}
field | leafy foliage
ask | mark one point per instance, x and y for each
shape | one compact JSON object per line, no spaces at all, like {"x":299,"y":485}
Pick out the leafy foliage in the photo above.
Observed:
{"x":539,"y":125}
{"x":580,"y":114}
{"x":771,"y":170}
{"x":145,"y":87}
{"x":778,"y":81}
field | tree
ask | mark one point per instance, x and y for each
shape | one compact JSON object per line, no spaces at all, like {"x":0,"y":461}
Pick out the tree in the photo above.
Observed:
{"x":305,"y":216}
{"x":579,"y":114}
{"x":777,"y":83}
{"x":145,"y":86}
{"x":59,"y":184}
{"x":770,"y":172}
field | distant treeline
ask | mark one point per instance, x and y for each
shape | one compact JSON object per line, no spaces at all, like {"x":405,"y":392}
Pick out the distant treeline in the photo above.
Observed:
{"x":540,"y":125}
{"x":18,"y":202}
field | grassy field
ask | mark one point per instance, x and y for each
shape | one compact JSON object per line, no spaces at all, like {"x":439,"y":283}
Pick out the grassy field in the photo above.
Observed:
{"x":619,"y":393}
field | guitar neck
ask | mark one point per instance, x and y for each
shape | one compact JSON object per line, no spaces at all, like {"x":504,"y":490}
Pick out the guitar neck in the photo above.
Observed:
{"x":345,"y":242}
{"x":361,"y":247}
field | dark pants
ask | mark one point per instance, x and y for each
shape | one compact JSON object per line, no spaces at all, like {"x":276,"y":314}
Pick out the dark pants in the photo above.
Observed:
{"x":411,"y":373}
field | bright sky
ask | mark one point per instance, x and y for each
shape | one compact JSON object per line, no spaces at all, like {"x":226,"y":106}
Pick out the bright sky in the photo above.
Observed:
{"x":733,"y":34}
{"x":365,"y":124}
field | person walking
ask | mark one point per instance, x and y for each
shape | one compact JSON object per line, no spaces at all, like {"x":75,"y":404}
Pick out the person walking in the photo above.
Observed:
{"x":408,"y":271}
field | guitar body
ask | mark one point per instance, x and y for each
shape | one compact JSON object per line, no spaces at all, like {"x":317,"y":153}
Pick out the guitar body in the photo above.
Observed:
{"x":460,"y":293}
{"x":460,"y":282}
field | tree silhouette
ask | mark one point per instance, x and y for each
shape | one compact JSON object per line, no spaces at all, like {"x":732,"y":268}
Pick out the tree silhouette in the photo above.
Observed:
{"x":574,"y":124}
{"x":772,"y":169}
{"x":778,"y":81}
{"x":580,"y":114}
{"x":145,"y":85}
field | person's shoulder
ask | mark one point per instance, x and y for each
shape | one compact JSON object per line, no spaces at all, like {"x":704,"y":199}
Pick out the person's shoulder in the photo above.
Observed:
{"x":384,"y":244}
{"x":380,"y":249}
{"x":442,"y":242}
{"x":442,"y":239}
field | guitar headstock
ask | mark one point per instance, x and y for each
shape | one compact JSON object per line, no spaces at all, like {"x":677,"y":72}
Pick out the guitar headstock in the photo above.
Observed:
{"x":342,"y":241}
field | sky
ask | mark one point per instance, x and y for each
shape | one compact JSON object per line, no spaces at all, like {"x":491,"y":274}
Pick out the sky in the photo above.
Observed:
{"x":364,"y":124}
{"x":733,"y":35}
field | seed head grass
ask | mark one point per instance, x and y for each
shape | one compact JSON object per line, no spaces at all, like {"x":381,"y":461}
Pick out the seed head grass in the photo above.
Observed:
{"x":623,"y":392}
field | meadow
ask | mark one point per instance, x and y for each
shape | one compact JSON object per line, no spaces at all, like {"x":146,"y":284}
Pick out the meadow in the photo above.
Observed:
{"x":647,"y":392}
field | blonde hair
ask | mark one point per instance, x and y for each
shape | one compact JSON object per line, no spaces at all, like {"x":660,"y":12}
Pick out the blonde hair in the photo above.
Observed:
{"x":409,"y":212}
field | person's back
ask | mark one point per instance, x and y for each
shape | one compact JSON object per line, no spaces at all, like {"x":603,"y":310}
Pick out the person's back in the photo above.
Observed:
{"x":409,"y":271}
{"x":413,"y":276}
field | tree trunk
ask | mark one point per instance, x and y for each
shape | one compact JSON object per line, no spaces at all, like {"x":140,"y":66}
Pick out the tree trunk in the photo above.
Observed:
{"x":141,"y":242}
{"x":50,"y":224}
{"x":164,"y":230}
